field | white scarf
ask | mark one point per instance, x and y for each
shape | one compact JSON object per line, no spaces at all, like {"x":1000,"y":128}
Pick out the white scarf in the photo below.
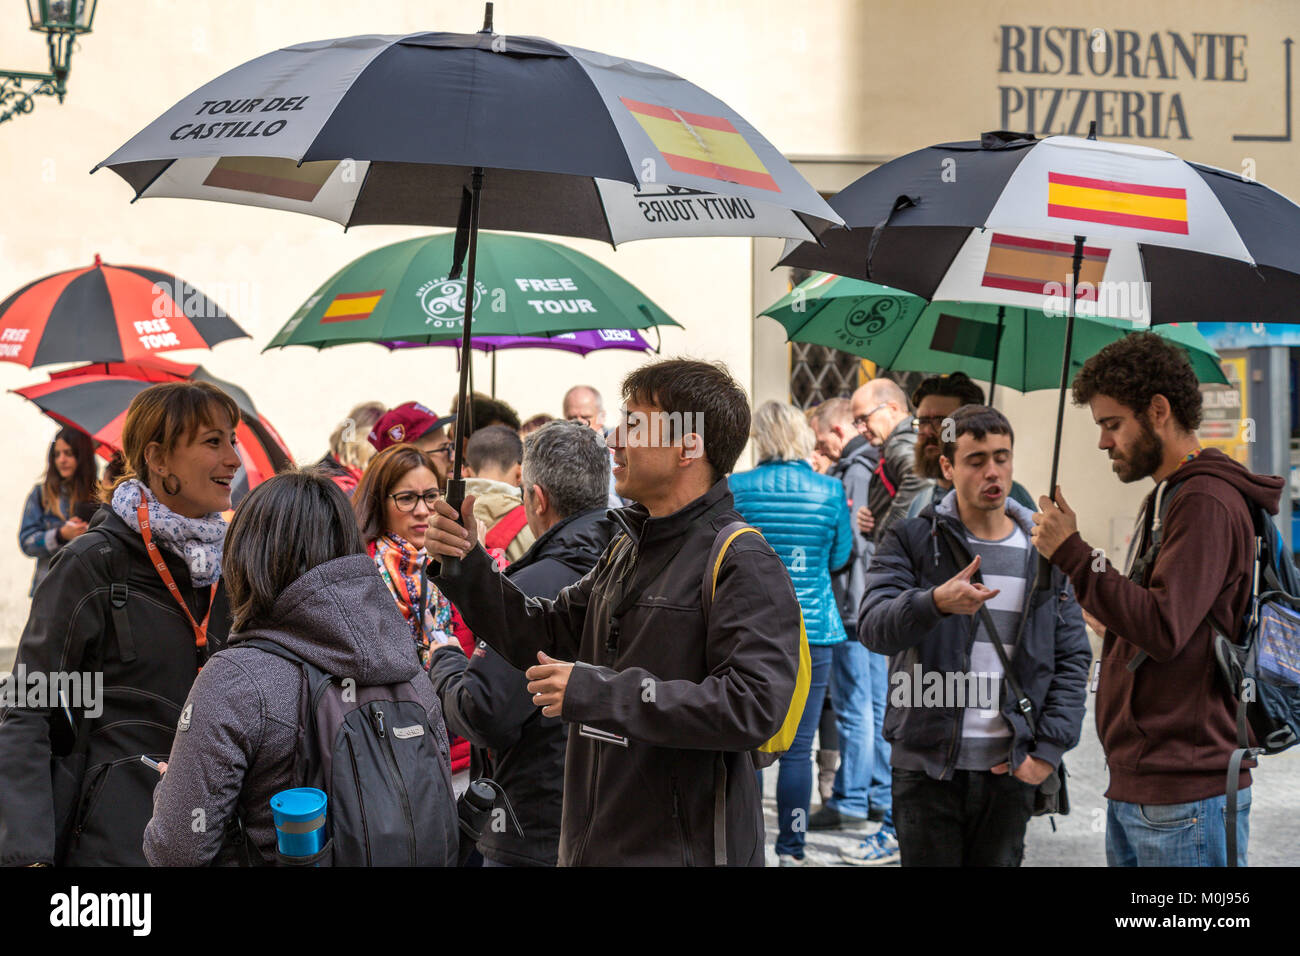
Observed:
{"x":197,"y":541}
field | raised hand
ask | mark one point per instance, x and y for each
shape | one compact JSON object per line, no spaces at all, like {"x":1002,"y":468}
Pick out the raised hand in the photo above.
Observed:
{"x":960,"y":595}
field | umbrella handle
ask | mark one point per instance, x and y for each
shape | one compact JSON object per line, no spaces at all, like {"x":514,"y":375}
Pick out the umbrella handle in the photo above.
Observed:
{"x":450,"y":566}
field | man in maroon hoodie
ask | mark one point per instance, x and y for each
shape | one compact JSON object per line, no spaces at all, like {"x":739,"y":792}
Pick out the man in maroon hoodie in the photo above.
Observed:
{"x":1167,"y":722}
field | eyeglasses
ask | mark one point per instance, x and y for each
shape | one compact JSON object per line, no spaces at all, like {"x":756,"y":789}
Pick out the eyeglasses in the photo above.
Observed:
{"x":860,"y":422}
{"x":405,"y":500}
{"x":932,"y":422}
{"x":442,"y":449}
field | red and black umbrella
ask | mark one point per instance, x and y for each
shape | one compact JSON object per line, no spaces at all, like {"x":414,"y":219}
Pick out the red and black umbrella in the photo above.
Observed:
{"x":107,"y":313}
{"x":94,"y":399}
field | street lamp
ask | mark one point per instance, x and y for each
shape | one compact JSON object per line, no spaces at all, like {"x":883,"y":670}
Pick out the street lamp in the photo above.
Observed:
{"x":62,"y":21}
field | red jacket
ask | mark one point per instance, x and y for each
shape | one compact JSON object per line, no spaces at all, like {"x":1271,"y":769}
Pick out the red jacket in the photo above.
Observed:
{"x":1169,"y":727}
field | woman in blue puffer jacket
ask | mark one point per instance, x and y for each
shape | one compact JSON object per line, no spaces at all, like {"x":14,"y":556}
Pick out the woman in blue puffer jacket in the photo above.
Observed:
{"x":805,"y":518}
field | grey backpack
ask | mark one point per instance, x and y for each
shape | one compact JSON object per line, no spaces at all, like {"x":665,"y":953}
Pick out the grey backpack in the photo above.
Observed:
{"x":383,"y":765}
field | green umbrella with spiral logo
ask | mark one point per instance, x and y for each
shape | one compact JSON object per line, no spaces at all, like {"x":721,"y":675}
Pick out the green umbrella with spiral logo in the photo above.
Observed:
{"x":1007,"y":345}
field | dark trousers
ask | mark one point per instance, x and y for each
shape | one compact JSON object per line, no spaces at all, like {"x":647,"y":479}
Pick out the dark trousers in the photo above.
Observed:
{"x":975,"y":819}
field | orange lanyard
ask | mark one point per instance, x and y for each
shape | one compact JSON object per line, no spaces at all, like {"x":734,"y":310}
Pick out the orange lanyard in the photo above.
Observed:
{"x":200,"y":630}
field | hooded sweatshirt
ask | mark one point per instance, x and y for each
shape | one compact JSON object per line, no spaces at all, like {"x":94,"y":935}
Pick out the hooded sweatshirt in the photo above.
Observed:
{"x":493,"y":501}
{"x":237,"y":736}
{"x":1169,"y":727}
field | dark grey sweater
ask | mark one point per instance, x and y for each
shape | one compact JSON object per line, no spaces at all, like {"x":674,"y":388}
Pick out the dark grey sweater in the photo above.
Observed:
{"x":235,"y":742}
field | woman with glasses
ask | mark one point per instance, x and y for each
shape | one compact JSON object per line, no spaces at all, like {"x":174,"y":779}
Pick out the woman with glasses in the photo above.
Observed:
{"x":393,"y":504}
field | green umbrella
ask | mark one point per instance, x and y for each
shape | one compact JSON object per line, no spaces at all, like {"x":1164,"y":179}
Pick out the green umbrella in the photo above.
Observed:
{"x":523,"y":286}
{"x":1004,"y":345}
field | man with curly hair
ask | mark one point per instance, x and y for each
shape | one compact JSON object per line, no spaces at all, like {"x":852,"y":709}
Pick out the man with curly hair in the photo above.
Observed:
{"x":1166,"y":720}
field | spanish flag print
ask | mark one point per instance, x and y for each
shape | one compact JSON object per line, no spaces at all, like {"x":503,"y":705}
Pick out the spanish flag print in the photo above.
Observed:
{"x":1027,"y":265}
{"x":701,"y":145}
{"x":270,"y":176}
{"x":1157,"y":208}
{"x":352,"y":306}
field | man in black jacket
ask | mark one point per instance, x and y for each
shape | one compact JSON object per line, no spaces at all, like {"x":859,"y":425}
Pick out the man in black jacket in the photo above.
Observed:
{"x":664,"y":702}
{"x":942,"y":588}
{"x":485,"y":699}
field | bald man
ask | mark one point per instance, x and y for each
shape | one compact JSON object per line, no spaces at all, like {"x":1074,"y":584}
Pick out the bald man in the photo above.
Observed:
{"x":882,"y":416}
{"x":582,"y":403}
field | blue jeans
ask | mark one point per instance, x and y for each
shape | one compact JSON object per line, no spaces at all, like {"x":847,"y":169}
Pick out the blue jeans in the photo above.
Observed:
{"x":881,"y":779}
{"x":851,"y":698}
{"x":794,"y":775}
{"x":1175,"y":834}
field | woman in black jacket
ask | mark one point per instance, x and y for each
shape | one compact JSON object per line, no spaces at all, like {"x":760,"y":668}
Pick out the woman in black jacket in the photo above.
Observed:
{"x":110,"y":650}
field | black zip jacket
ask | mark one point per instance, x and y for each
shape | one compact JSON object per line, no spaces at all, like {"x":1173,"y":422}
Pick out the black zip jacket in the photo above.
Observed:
{"x":898,"y":618}
{"x":485,"y":699}
{"x":692,"y":700}
{"x":71,"y":629}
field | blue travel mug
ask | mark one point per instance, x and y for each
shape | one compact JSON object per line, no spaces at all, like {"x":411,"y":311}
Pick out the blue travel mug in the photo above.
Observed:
{"x":299,"y":821}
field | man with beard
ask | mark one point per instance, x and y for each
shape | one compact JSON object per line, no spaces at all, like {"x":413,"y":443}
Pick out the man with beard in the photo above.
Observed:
{"x":935,"y":400}
{"x":1165,"y":718}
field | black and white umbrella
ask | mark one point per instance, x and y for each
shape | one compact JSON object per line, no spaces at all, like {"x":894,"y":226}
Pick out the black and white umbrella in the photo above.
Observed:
{"x":387,"y":129}
{"x":1065,"y":224}
{"x":510,"y":133}
{"x":996,"y":220}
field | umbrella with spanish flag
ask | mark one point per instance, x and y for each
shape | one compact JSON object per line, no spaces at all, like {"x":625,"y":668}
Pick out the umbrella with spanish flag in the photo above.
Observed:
{"x":513,"y":133}
{"x":1069,"y":226}
{"x":108,"y":313}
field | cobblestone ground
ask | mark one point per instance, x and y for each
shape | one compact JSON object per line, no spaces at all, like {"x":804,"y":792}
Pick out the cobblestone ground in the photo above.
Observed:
{"x":1079,"y":839}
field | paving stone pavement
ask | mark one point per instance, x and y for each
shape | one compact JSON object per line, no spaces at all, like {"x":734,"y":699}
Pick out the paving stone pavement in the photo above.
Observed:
{"x":1079,"y":839}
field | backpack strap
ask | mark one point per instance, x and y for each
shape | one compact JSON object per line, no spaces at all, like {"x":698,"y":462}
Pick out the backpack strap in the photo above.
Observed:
{"x":708,"y":587}
{"x":118,"y":592}
{"x":883,"y":475}
{"x":1147,"y":560}
{"x":248,"y":854}
{"x":504,"y":531}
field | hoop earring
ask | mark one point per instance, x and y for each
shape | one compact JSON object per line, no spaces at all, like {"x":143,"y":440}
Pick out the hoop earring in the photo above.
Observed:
{"x":167,"y":487}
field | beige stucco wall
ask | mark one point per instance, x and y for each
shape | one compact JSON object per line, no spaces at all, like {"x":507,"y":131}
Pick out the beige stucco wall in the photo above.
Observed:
{"x":819,"y":78}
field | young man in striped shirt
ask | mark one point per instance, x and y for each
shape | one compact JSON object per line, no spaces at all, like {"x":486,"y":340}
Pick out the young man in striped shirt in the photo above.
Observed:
{"x":942,"y":588}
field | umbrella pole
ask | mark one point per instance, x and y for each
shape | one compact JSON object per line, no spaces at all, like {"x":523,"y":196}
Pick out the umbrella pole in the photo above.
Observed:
{"x":494,"y":373}
{"x":997,"y":350}
{"x":456,"y":486}
{"x":1044,"y":566}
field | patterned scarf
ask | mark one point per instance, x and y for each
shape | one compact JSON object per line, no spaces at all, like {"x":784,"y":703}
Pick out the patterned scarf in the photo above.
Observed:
{"x":400,"y":565}
{"x":197,"y":541}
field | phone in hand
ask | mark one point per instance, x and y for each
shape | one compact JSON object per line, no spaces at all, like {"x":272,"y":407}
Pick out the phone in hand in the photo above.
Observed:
{"x":150,"y":762}
{"x":85,"y":510}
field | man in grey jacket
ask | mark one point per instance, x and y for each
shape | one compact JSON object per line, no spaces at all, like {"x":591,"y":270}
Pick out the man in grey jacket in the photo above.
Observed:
{"x":851,"y":805}
{"x":664,"y":701}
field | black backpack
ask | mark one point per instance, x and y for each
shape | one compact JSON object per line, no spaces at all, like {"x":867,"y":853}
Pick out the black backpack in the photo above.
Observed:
{"x":1262,"y":664}
{"x":382,"y":764}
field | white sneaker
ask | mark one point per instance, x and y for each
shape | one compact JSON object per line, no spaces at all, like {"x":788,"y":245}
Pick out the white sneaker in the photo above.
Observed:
{"x":879,"y":849}
{"x":785,"y":859}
